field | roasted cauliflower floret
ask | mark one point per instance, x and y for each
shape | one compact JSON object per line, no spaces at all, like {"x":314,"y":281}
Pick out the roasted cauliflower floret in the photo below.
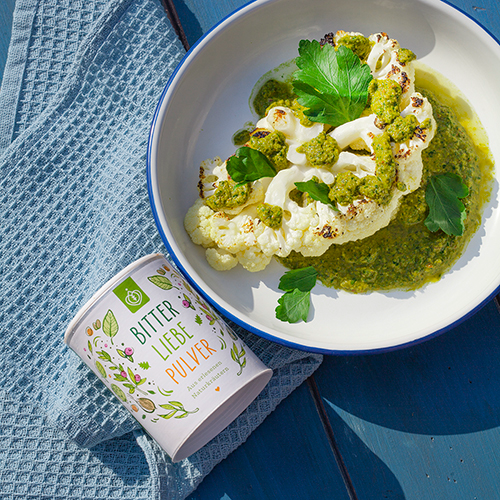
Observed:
{"x":387,"y":60}
{"x":234,"y":234}
{"x":198,"y":224}
{"x":220,"y":260}
{"x":212,"y":171}
{"x":384,"y":56}
{"x":253,"y":259}
{"x":296,"y":218}
{"x":282,"y":119}
{"x":220,"y":192}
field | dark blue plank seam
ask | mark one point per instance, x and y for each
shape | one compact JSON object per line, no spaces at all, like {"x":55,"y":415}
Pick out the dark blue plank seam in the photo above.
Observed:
{"x":325,"y":421}
{"x":174,"y":19}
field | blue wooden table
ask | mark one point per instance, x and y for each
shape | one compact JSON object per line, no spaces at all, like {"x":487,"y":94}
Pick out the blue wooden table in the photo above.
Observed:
{"x":419,"y":423}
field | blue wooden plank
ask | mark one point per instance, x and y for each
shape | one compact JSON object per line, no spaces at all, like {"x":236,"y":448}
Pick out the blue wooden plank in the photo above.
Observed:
{"x":422,"y":422}
{"x":6,"y":11}
{"x":287,"y":457}
{"x":485,"y":12}
{"x":198,"y":16}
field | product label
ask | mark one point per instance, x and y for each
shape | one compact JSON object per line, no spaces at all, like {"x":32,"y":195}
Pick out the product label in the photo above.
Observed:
{"x":166,"y":355}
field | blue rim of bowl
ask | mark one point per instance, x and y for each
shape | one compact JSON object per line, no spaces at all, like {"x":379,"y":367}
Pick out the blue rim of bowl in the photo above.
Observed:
{"x":227,"y":19}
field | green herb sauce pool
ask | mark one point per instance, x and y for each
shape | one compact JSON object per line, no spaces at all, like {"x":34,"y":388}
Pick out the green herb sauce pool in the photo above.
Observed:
{"x":405,"y":254}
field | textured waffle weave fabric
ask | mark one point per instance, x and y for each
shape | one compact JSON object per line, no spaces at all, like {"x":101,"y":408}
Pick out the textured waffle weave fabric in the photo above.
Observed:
{"x":80,"y":86}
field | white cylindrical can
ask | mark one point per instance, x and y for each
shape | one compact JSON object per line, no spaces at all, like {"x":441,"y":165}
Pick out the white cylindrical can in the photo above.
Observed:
{"x":166,"y":355}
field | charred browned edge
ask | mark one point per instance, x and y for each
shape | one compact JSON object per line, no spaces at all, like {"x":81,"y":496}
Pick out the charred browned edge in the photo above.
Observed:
{"x":173,"y":17}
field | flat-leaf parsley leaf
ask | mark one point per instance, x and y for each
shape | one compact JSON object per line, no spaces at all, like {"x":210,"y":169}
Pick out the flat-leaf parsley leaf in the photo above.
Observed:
{"x":446,"y":211}
{"x":331,"y":83}
{"x":248,"y":165}
{"x":294,"y":304}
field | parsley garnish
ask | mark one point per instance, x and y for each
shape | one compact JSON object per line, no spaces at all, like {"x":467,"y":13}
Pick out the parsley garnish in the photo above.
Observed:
{"x":446,"y":211}
{"x":248,"y":165}
{"x":317,"y":191}
{"x":297,"y":285}
{"x":332,"y":84}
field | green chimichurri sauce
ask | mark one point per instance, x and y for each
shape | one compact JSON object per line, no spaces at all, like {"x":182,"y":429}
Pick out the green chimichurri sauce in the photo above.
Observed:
{"x":405,"y":254}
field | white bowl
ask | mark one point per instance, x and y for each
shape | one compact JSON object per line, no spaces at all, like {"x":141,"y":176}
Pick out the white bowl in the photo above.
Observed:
{"x":206,"y":101}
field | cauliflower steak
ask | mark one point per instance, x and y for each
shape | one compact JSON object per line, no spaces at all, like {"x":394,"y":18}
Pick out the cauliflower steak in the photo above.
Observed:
{"x":365,"y":165}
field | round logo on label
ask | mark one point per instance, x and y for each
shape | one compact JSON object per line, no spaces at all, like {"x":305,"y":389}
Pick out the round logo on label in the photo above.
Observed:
{"x":133,"y":298}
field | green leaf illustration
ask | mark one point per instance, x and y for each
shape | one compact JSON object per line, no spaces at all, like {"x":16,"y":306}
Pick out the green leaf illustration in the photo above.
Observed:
{"x":110,"y":325}
{"x":165,"y":393}
{"x":126,"y":356}
{"x":89,"y":344}
{"x":144,"y":365}
{"x":130,"y":387}
{"x":223,"y":344}
{"x":161,"y":282}
{"x":238,"y":357}
{"x":168,"y":407}
{"x":177,"y":405}
{"x":104,"y":355}
{"x":169,"y":415}
{"x":100,"y":368}
{"x":118,"y":392}
{"x":177,"y":410}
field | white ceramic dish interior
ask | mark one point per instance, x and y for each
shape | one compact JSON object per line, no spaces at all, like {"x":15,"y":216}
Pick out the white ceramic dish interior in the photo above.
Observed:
{"x":206,"y":101}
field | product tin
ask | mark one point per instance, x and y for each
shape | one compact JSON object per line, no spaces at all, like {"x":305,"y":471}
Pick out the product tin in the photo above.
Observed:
{"x":166,"y":355}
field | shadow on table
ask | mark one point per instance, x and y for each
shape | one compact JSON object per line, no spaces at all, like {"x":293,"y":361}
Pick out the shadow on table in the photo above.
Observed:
{"x":371,"y":477}
{"x":447,"y":385}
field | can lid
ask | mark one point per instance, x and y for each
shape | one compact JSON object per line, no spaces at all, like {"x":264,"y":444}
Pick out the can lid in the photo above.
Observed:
{"x":70,"y":330}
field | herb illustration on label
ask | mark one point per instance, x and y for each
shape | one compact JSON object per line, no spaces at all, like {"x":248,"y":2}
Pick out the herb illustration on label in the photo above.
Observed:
{"x":171,"y":336}
{"x":127,"y":381}
{"x":239,"y":357}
